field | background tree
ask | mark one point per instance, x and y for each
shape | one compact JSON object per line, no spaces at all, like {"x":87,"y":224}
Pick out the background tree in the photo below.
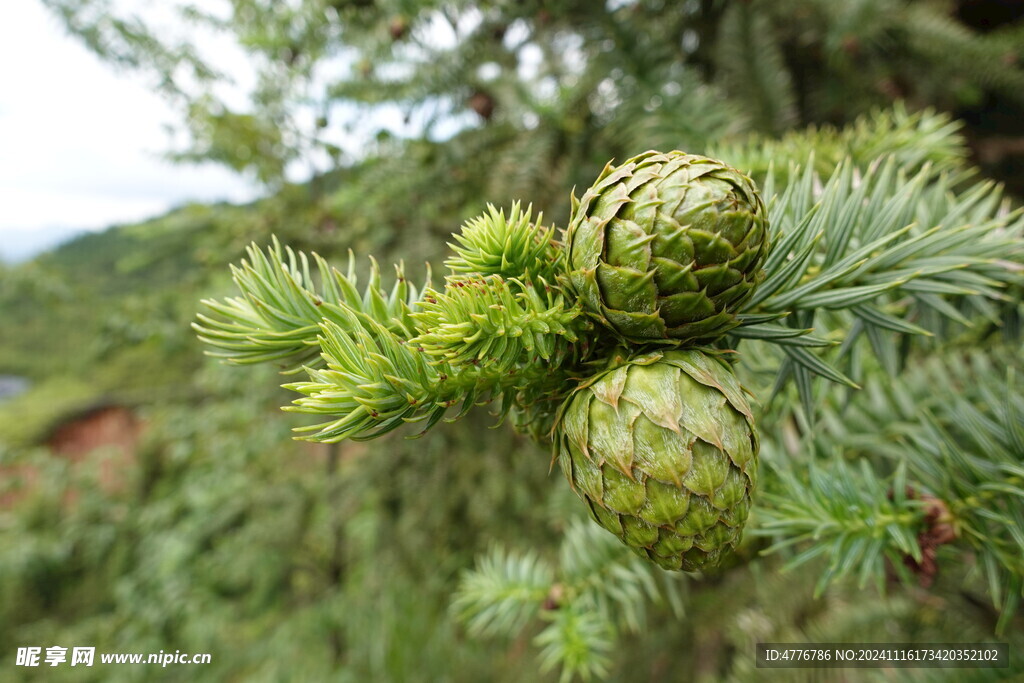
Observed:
{"x":554,"y":86}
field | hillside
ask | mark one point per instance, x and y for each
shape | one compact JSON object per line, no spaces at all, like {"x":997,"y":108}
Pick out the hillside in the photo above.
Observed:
{"x":105,"y":316}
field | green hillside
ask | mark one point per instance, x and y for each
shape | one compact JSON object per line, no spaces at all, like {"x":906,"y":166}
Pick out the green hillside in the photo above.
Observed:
{"x":105,"y":316}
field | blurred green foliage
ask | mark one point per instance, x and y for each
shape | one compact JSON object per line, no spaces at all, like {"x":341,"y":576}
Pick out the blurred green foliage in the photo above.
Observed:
{"x":294,"y":562}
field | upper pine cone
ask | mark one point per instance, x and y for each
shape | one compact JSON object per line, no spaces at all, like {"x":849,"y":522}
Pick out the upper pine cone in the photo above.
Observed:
{"x":667,"y":246}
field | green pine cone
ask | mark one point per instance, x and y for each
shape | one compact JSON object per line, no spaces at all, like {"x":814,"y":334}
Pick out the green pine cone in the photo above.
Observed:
{"x":664,"y":452}
{"x":667,"y":246}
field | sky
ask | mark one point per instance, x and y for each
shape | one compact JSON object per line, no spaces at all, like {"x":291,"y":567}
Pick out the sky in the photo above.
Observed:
{"x":81,"y":143}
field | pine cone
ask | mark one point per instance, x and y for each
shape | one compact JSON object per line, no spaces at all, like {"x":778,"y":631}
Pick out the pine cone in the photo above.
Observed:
{"x":667,"y":246}
{"x":664,"y":452}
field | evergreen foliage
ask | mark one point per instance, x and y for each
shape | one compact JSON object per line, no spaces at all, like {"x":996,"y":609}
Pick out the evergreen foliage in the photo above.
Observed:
{"x":884,"y":346}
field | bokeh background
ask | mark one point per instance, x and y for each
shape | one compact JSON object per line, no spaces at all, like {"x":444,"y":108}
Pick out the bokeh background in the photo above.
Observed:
{"x":153,"y":499}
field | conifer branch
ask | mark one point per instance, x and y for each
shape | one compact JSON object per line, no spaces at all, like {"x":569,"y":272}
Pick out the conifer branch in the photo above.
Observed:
{"x":913,"y":139}
{"x":278,"y":315}
{"x":847,"y":516}
{"x":482,"y":321}
{"x":869,"y":256}
{"x":752,"y":69}
{"x":514,"y":247}
{"x":597,"y":591}
{"x":373,"y":383}
{"x":578,"y":641}
{"x":503,"y":593}
{"x":940,"y":462}
{"x":478,"y":343}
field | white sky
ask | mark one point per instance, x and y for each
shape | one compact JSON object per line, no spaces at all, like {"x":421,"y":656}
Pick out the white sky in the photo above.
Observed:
{"x":80,"y":143}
